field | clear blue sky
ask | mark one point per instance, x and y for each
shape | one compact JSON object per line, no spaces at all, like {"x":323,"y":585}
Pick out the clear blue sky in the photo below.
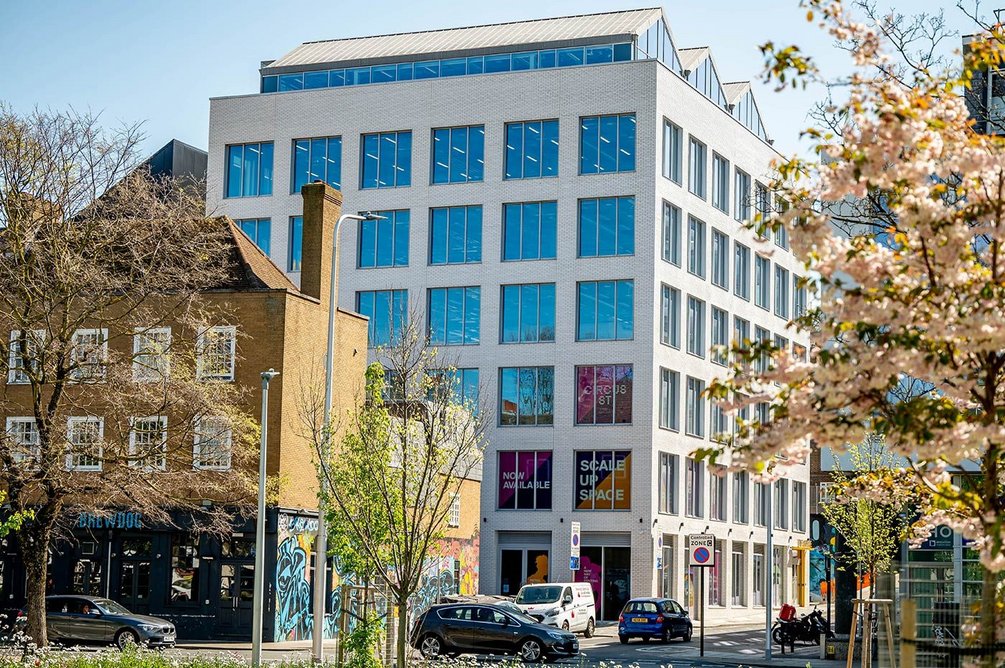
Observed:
{"x":160,"y":61}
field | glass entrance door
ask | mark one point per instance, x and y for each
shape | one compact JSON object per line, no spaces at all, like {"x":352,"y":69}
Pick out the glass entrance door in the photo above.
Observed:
{"x":237,"y":586}
{"x":608,"y":570}
{"x":520,"y":566}
{"x":134,"y":574}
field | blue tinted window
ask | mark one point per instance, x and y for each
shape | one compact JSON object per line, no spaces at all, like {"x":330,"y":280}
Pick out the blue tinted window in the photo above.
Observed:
{"x":405,"y":72}
{"x":258,"y":230}
{"x":291,"y":82}
{"x":622,"y":52}
{"x":429,"y":69}
{"x":383,"y":73}
{"x":454,"y":67}
{"x":498,"y":63}
{"x":606,"y":226}
{"x":607,"y":144}
{"x":270,"y":84}
{"x":476,"y":65}
{"x":386,"y":160}
{"x":296,"y":243}
{"x":384,"y":243}
{"x":529,"y":230}
{"x":462,"y":383}
{"x":249,"y":170}
{"x":527,"y":313}
{"x":336,"y":78}
{"x":458,"y":154}
{"x":570,"y":57}
{"x":531,"y":150}
{"x":605,"y":310}
{"x":317,"y":159}
{"x":387,"y":311}
{"x":599,"y":54}
{"x":454,"y":316}
{"x":547,"y":58}
{"x":526,"y":395}
{"x":316,"y":79}
{"x":524,"y":61}
{"x":455,"y":235}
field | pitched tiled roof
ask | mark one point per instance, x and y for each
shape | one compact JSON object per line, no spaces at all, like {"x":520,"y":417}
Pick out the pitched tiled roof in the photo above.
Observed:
{"x":565,"y":30}
{"x":252,"y":268}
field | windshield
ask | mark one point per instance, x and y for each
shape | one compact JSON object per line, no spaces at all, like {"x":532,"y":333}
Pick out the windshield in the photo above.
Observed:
{"x":532,"y":595}
{"x":516,"y":612}
{"x":111,"y":607}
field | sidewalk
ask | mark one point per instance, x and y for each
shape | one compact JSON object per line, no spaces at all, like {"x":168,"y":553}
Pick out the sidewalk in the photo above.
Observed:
{"x":728,"y":659}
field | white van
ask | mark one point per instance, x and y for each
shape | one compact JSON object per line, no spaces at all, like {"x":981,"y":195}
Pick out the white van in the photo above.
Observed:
{"x":567,"y":605}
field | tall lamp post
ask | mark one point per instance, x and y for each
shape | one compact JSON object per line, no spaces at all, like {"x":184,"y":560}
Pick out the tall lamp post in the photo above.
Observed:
{"x":258,"y":604}
{"x":321,"y":544}
{"x":769,"y":559}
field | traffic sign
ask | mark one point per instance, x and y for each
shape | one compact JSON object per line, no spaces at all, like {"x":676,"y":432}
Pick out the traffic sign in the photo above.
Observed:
{"x":573,"y":563}
{"x":575,"y":540}
{"x":701,"y":550}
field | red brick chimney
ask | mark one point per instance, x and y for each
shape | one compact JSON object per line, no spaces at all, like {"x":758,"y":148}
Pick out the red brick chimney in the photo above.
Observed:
{"x":322,"y":208}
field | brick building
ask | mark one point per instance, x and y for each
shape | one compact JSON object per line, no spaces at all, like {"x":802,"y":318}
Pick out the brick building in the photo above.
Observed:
{"x":204,"y":584}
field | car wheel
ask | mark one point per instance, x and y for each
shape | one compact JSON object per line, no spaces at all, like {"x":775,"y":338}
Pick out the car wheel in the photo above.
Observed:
{"x":530,"y":650}
{"x":430,"y":647}
{"x":126,"y":638}
{"x":687,"y":634}
{"x":623,"y":639}
{"x":591,"y":628}
{"x":565,"y":625}
{"x":665,"y":636}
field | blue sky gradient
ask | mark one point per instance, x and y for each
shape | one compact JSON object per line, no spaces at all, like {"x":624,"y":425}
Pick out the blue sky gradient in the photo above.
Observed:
{"x":160,"y":62}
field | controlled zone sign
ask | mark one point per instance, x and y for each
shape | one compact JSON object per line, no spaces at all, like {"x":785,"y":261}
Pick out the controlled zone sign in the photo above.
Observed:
{"x":701,"y":550}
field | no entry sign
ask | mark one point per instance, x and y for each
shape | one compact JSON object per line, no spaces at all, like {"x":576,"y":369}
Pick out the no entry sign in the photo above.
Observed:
{"x":701,"y":550}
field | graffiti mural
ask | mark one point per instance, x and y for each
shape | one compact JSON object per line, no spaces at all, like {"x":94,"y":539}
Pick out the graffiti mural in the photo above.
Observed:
{"x":454,"y":570}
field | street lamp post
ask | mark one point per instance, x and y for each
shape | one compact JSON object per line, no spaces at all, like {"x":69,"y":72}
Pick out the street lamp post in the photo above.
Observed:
{"x":321,"y":544}
{"x":769,"y":559}
{"x":259,"y":597}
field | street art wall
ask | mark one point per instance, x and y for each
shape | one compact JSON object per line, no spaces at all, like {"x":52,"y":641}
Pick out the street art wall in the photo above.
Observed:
{"x":454,"y":570}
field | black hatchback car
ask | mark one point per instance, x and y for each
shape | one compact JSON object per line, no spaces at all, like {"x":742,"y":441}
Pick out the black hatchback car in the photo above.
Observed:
{"x":99,"y":621}
{"x":488,"y":629}
{"x":647,"y":618}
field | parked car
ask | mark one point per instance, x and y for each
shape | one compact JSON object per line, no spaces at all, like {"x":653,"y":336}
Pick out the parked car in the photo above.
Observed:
{"x":455,"y":629}
{"x":568,"y":606}
{"x":99,"y":621}
{"x":647,"y":618}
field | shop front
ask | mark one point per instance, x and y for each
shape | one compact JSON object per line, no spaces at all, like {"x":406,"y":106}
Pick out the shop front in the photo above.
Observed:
{"x":524,"y":558}
{"x":606,"y":563}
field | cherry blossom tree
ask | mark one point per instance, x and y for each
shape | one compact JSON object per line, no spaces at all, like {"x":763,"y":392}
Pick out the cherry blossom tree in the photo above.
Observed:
{"x":901,"y":223}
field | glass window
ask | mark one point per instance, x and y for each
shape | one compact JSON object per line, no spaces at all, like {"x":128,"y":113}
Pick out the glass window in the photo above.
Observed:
{"x":720,"y":183}
{"x":384,"y":242}
{"x":604,"y":394}
{"x":24,"y":355}
{"x":454,"y":316}
{"x":524,"y":481}
{"x":673,"y":151}
{"x":798,"y":296}
{"x":671,"y":234}
{"x":720,"y":259}
{"x":528,"y":313}
{"x":531,"y":149}
{"x":694,"y":488}
{"x":258,"y":230}
{"x":696,"y":246}
{"x":458,"y":154}
{"x":216,"y":353}
{"x":184,"y":569}
{"x":695,"y":408}
{"x":719,"y":430}
{"x":387,"y":311}
{"x":607,"y":144}
{"x":780,"y":507}
{"x":762,"y":282}
{"x":529,"y":231}
{"x":463,"y":385}
{"x":697,"y":169}
{"x":455,"y":235}
{"x":799,"y":506}
{"x":668,"y":483}
{"x":296,"y":244}
{"x":781,"y":292}
{"x":738,"y":575}
{"x":669,"y":400}
{"x":316,"y":159}
{"x":148,"y":443}
{"x":718,"y":478}
{"x":249,"y":169}
{"x":741,"y":497}
{"x":670,"y":316}
{"x":89,"y":355}
{"x":386,"y":160}
{"x":762,"y":200}
{"x":741,"y":332}
{"x":24,"y":443}
{"x":760,"y":504}
{"x":599,"y":54}
{"x":695,"y":326}
{"x":741,"y":271}
{"x":607,"y":226}
{"x":151,"y":354}
{"x":526,"y":395}
{"x":84,"y":437}
{"x":720,"y":336}
{"x":603,"y":480}
{"x":605,"y":310}
{"x":741,"y":207}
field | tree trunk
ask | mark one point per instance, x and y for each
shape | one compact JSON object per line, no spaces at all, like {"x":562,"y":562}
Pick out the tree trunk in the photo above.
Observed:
{"x":402,"y":630}
{"x":989,"y":624}
{"x":34,"y":542}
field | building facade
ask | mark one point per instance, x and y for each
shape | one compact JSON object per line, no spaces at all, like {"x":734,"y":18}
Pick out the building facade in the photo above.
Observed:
{"x":565,"y":204}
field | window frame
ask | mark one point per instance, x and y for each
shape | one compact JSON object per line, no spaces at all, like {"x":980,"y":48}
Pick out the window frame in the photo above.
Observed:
{"x":762,"y":290}
{"x":696,"y":149}
{"x":695,"y":323}
{"x":77,"y":373}
{"x":741,"y":250}
{"x":552,"y":204}
{"x":16,"y":363}
{"x":164,"y":360}
{"x":720,"y":183}
{"x":537,"y":397}
{"x":198,"y":440}
{"x":619,"y":152}
{"x":672,"y":225}
{"x":469,"y":249}
{"x":540,"y":123}
{"x":396,"y":167}
{"x":24,"y":453}
{"x":503,"y":320}
{"x":670,"y":316}
{"x":337,"y":184}
{"x":626,"y":202}
{"x":468,"y":155}
{"x":697,"y":246}
{"x":720,"y":262}
{"x":71,"y":455}
{"x":694,"y":412}
{"x":617,"y":285}
{"x":615,"y":368}
{"x":673,"y":155}
{"x":201,"y":342}
{"x":669,"y":400}
{"x":467,"y":339}
{"x":134,"y":459}
{"x":258,"y":177}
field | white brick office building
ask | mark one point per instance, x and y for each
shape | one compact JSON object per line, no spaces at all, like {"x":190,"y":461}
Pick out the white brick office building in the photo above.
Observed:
{"x":564,"y":178}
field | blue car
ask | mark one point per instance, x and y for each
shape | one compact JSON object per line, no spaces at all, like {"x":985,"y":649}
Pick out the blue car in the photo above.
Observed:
{"x":647,"y":618}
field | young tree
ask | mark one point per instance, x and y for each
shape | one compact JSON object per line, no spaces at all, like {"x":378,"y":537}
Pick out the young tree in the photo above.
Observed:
{"x":405,"y":451}
{"x":873,"y":530}
{"x":916,"y":297}
{"x":81,"y":280}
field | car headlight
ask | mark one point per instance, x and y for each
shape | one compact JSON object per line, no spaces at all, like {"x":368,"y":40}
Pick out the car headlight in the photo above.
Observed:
{"x":556,"y":635}
{"x":552,"y":612}
{"x":150,"y":627}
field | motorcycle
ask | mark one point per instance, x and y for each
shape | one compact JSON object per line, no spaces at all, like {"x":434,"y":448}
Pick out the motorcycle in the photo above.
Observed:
{"x":807,"y":628}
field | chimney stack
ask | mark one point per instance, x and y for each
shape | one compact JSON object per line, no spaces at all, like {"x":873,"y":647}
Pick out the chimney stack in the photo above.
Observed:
{"x":322,"y":208}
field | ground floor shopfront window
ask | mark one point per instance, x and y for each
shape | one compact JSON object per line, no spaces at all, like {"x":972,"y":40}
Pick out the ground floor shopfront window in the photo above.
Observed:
{"x":609,"y":572}
{"x":521,"y":566}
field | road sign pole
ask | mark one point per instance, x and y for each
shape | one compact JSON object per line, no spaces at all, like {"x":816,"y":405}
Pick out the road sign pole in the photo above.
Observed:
{"x":701,"y":598}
